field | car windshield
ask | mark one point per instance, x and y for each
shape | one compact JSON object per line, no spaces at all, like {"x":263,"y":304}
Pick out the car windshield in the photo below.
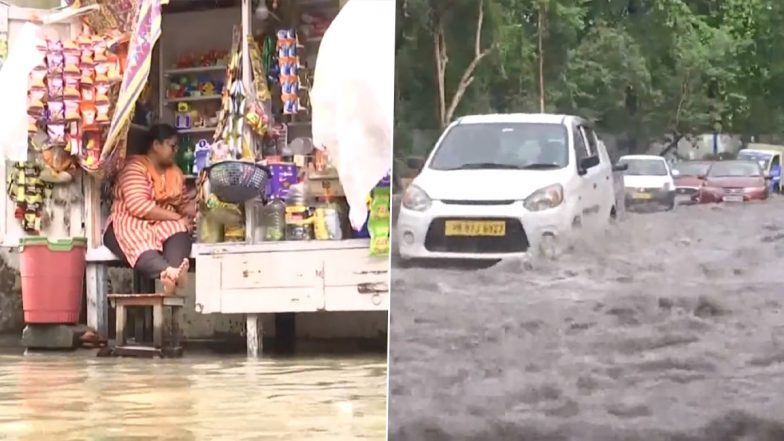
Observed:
{"x":503,"y":146}
{"x":644,"y":167}
{"x":692,"y":168}
{"x":740,"y":169}
{"x":761,"y":158}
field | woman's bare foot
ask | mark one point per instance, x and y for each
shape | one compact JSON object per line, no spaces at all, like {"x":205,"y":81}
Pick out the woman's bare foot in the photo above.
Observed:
{"x":169,"y":280}
{"x":182,"y":277}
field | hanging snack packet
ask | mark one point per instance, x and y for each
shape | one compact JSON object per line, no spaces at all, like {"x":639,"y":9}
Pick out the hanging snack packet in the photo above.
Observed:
{"x":102,"y":90}
{"x":54,"y":58}
{"x":70,"y":86}
{"x":55,"y":87}
{"x":88,"y":110}
{"x":56,"y":133}
{"x":71,"y":100}
{"x":102,"y":107}
{"x":37,"y":77}
{"x":88,"y":93}
{"x":32,"y":124}
{"x":71,"y":56}
{"x":35,"y":102}
{"x":56,"y":111}
{"x":378,"y":222}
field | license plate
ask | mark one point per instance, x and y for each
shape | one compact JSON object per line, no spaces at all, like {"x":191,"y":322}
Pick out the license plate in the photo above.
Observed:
{"x":475,"y":228}
{"x":640,"y":195}
{"x":733,"y":198}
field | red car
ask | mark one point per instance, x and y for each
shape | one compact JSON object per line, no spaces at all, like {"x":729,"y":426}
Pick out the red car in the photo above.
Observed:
{"x":689,"y":177}
{"x":733,"y":181}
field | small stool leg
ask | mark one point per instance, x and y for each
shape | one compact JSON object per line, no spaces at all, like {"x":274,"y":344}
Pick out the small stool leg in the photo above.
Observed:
{"x":254,"y":334}
{"x":119,"y":325}
{"x":157,"y":326}
{"x":177,"y":321}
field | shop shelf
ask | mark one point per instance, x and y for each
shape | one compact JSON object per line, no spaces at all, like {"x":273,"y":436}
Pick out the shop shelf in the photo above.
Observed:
{"x":195,"y":70}
{"x":198,"y":130}
{"x":193,"y":98}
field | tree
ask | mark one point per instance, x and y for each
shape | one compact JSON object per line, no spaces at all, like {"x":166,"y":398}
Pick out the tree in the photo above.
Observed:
{"x":447,"y":108}
{"x":644,"y":70}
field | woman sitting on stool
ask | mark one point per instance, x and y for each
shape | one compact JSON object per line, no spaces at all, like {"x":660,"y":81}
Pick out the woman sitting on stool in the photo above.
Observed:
{"x":152,"y":215}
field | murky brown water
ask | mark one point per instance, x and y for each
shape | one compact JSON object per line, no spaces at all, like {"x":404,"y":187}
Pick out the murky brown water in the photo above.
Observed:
{"x":669,"y":326}
{"x":79,"y":397}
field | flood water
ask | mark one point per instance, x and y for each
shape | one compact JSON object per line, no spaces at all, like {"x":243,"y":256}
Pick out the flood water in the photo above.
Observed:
{"x":77,"y":396}
{"x":669,"y":326}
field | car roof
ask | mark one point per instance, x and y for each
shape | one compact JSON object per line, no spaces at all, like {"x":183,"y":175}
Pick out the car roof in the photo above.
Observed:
{"x":771,"y":152}
{"x":736,"y":161}
{"x":655,"y":157}
{"x":540,"y":118}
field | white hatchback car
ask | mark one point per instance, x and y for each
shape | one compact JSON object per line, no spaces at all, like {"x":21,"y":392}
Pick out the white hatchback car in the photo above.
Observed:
{"x":498,"y":186}
{"x":648,"y":181}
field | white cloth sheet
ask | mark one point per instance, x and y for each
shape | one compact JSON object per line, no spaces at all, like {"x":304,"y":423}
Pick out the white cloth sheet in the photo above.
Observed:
{"x":23,"y":56}
{"x":353,"y":98}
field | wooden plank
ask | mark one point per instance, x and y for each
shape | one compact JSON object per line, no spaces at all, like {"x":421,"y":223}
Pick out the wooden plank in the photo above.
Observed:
{"x":203,"y":249}
{"x":97,"y":287}
{"x":151,"y":299}
{"x":254,"y":334}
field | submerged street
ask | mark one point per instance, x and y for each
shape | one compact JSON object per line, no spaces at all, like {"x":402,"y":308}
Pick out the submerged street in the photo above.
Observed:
{"x":76,"y":396}
{"x":669,"y":326}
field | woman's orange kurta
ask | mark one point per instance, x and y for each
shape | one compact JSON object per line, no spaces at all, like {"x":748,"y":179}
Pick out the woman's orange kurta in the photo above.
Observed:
{"x":137,"y":190}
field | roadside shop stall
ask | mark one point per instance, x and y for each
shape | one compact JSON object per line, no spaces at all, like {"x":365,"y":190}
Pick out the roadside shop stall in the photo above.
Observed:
{"x":278,"y":190}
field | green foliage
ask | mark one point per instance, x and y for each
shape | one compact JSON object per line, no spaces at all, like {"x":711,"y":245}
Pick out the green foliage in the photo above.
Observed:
{"x":642,"y":69}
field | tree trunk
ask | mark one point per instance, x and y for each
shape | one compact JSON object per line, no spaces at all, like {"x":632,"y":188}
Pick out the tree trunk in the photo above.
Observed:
{"x":540,"y":32}
{"x":446,"y":113}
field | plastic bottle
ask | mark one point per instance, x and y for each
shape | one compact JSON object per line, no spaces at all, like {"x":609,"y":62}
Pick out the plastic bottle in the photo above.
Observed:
{"x":275,"y":220}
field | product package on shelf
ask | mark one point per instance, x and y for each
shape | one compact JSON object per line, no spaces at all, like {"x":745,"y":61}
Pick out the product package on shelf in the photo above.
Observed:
{"x":70,"y":98}
{"x":27,"y":190}
{"x":378,"y":221}
{"x":288,"y":62}
{"x":230,"y":143}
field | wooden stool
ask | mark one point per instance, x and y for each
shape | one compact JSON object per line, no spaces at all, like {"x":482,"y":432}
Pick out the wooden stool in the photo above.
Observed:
{"x":157,"y":302}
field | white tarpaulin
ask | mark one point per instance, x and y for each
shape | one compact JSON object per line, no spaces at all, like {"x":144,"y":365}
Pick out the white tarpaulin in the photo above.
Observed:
{"x":353,"y":98}
{"x":23,"y":56}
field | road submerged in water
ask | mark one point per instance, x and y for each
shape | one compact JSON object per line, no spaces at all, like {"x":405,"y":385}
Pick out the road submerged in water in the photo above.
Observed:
{"x":666,"y":327}
{"x":76,"y":396}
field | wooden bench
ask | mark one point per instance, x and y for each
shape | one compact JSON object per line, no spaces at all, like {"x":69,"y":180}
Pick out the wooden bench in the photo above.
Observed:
{"x":160,"y":347}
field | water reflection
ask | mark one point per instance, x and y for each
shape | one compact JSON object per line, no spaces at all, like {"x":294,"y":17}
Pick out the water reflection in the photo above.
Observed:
{"x":78,"y":397}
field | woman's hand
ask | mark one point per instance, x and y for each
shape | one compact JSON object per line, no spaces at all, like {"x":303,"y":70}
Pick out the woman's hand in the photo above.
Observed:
{"x":189,"y":210}
{"x":187,"y":222}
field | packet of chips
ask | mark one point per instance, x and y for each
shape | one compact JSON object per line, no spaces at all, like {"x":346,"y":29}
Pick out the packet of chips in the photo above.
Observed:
{"x":378,"y":222}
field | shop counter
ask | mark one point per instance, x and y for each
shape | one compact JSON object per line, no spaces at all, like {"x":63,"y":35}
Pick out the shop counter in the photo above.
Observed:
{"x":278,"y":277}
{"x":290,"y":276}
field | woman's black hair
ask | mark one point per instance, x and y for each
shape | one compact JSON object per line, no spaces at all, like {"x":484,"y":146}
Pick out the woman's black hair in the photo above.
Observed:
{"x":140,"y":140}
{"x":160,"y":133}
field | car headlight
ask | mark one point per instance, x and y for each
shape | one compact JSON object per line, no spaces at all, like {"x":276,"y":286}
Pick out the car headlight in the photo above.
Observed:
{"x":416,"y":199}
{"x":544,"y":198}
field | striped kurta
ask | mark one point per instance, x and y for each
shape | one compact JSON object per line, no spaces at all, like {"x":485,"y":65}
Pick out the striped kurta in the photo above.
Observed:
{"x":133,"y":199}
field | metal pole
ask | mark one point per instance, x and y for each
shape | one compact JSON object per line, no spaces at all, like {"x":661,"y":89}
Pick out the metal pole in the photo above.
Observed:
{"x":247,"y":84}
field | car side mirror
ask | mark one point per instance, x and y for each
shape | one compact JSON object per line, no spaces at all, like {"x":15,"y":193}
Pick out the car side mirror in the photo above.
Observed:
{"x":702,"y":177}
{"x":620,"y":167}
{"x":587,"y":163}
{"x":676,"y":173}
